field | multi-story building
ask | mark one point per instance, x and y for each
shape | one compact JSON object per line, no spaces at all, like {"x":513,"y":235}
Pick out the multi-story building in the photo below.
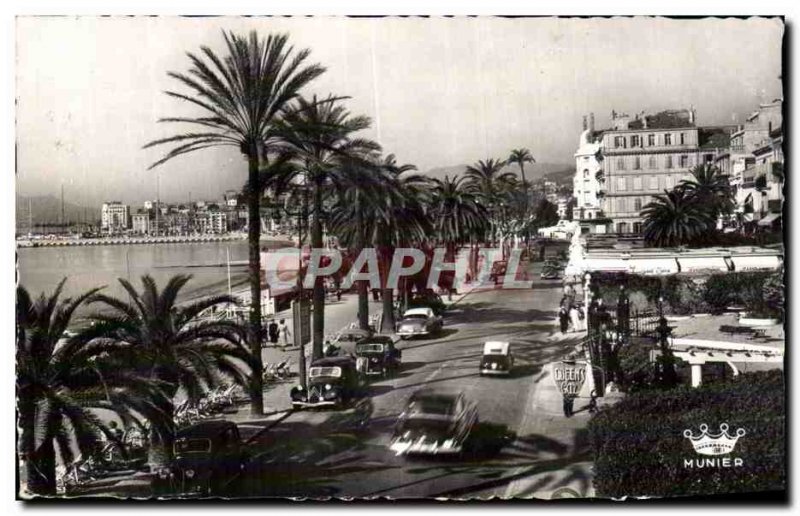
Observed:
{"x":141,"y":223}
{"x":754,"y":146}
{"x":114,"y":217}
{"x":212,"y":222}
{"x":649,"y":154}
{"x":588,"y":182}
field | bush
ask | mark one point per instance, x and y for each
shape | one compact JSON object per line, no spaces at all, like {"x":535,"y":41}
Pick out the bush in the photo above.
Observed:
{"x":736,"y":288}
{"x":640,"y":450}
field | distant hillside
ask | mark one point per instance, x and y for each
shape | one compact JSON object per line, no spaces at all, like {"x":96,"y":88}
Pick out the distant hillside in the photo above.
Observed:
{"x":562,"y":177}
{"x":533,"y":171}
{"x":47,"y":209}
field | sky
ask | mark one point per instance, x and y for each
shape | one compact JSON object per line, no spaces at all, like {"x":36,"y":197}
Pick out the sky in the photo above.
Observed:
{"x":440,"y":91}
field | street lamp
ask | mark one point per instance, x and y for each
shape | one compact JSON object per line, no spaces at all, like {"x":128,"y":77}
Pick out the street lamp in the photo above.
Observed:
{"x":586,"y":295}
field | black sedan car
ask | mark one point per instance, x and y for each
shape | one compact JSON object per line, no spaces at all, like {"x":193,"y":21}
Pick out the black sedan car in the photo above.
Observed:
{"x":208,"y":458}
{"x":434,"y":422}
{"x":378,"y":356}
{"x":332,"y":382}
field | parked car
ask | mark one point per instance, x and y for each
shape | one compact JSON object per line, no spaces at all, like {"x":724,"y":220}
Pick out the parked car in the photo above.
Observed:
{"x":427,"y":298}
{"x":332,"y":382}
{"x":378,"y":356}
{"x":497,"y":358}
{"x":549,"y":273}
{"x":434,"y":422}
{"x":419,"y":322}
{"x":208,"y":456}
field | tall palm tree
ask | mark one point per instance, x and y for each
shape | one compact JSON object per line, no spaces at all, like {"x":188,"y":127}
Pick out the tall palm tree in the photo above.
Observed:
{"x":455,"y":212}
{"x":319,"y":135}
{"x":168,"y":343}
{"x":710,"y":189}
{"x":242,"y":96}
{"x":487,"y":179}
{"x":675,"y":218}
{"x":61,"y":377}
{"x":520,"y":157}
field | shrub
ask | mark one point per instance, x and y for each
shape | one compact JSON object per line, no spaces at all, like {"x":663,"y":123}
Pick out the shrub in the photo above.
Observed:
{"x":640,"y":450}
{"x":736,"y":288}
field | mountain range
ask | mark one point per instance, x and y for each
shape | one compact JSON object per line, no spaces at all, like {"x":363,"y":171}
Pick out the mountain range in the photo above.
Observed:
{"x":46,"y":209}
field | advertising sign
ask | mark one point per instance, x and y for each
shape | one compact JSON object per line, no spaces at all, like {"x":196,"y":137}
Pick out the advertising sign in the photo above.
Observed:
{"x":569,"y":377}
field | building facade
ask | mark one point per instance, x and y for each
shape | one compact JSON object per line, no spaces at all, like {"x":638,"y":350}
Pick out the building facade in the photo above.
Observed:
{"x":645,"y":156}
{"x":114,"y":217}
{"x":588,"y":183}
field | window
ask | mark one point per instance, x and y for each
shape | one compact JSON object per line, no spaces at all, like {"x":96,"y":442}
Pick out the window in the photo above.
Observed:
{"x":708,"y":158}
{"x":637,"y":183}
{"x":622,"y":227}
{"x":621,"y":184}
{"x":637,"y":204}
{"x":651,"y":139}
{"x":684,"y":161}
{"x":669,"y":161}
{"x":637,"y":227}
{"x":586,"y":173}
{"x":619,"y":141}
{"x":668,"y":139}
{"x":620,"y":205}
{"x":653,"y":183}
{"x":637,"y":163}
{"x":683,"y":140}
{"x":620,"y":164}
{"x":668,"y":182}
{"x":636,"y":141}
{"x":652,"y":163}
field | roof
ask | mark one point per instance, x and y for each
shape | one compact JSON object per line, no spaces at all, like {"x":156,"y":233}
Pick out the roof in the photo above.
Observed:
{"x":333,"y":362}
{"x":435,"y":392}
{"x":205,"y":429}
{"x":426,"y":310}
{"x":494,"y":347}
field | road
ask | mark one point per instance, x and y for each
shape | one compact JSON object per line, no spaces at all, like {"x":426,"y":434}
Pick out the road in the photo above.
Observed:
{"x":345,"y":453}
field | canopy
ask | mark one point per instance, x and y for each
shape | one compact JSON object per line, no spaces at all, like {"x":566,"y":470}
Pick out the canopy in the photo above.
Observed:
{"x":653,"y":266}
{"x":706,"y":263}
{"x":605,"y":264}
{"x":755,"y":262}
{"x":769,"y":219}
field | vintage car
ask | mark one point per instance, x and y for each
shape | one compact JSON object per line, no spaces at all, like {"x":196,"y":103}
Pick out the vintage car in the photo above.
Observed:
{"x":353,"y":335}
{"x":332,"y":382}
{"x":378,"y":356}
{"x":549,"y":273}
{"x":419,"y":322}
{"x":435,"y":421}
{"x":208,"y":458}
{"x":497,"y":358}
{"x":427,"y":298}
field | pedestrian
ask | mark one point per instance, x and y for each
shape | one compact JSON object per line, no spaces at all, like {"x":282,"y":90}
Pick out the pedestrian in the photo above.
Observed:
{"x":574,"y":315}
{"x":285,"y":334}
{"x":563,"y":318}
{"x":272,"y":331}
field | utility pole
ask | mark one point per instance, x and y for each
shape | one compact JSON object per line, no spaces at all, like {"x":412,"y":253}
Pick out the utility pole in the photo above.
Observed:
{"x":62,"y":207}
{"x":158,"y":195}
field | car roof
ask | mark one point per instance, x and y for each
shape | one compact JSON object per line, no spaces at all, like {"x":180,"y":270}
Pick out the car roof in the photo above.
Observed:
{"x":493,"y":347}
{"x":205,"y":429}
{"x":333,"y":362}
{"x":379,"y":339}
{"x":422,"y":310}
{"x":436,"y":392}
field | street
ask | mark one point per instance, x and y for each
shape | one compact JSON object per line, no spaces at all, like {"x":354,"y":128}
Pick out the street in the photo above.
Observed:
{"x":521,"y":434}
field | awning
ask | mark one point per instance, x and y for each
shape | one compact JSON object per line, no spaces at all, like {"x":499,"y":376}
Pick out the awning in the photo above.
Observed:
{"x":653,"y":266}
{"x":606,"y":264}
{"x":708,"y":263}
{"x":769,"y":219}
{"x":755,"y":263}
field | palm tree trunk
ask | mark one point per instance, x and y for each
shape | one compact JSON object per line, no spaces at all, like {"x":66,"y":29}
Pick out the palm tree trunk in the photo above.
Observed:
{"x":319,"y":286}
{"x":254,"y":276}
{"x":159,"y":453}
{"x":363,"y":293}
{"x":41,"y":469}
{"x":387,"y":294}
{"x":525,"y":188}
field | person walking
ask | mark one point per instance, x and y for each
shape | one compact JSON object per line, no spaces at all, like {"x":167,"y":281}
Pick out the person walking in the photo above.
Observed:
{"x":283,"y":328}
{"x":563,"y":318}
{"x":272,"y":331}
{"x":575,"y":317}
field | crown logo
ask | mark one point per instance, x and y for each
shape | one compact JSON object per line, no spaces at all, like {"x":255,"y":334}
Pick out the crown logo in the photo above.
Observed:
{"x":709,"y":444}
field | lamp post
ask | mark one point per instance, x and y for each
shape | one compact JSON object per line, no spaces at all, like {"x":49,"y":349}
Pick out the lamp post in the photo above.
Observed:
{"x":586,"y":298}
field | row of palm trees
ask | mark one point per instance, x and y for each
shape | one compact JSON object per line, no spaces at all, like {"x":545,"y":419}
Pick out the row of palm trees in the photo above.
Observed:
{"x":131,"y":359}
{"x":140,"y":353}
{"x":251,"y":98}
{"x":688,"y":213}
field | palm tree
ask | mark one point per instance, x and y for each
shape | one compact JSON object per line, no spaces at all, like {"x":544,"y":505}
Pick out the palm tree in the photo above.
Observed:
{"x":455,"y":212}
{"x":171,"y":345}
{"x":674,"y":219}
{"x":60,"y":378}
{"x":486,"y":179}
{"x":711,"y":190}
{"x":242,"y":96}
{"x":318,"y":134}
{"x":520,"y":157}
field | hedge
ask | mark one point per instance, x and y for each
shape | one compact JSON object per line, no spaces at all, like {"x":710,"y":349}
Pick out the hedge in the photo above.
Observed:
{"x":640,"y":450}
